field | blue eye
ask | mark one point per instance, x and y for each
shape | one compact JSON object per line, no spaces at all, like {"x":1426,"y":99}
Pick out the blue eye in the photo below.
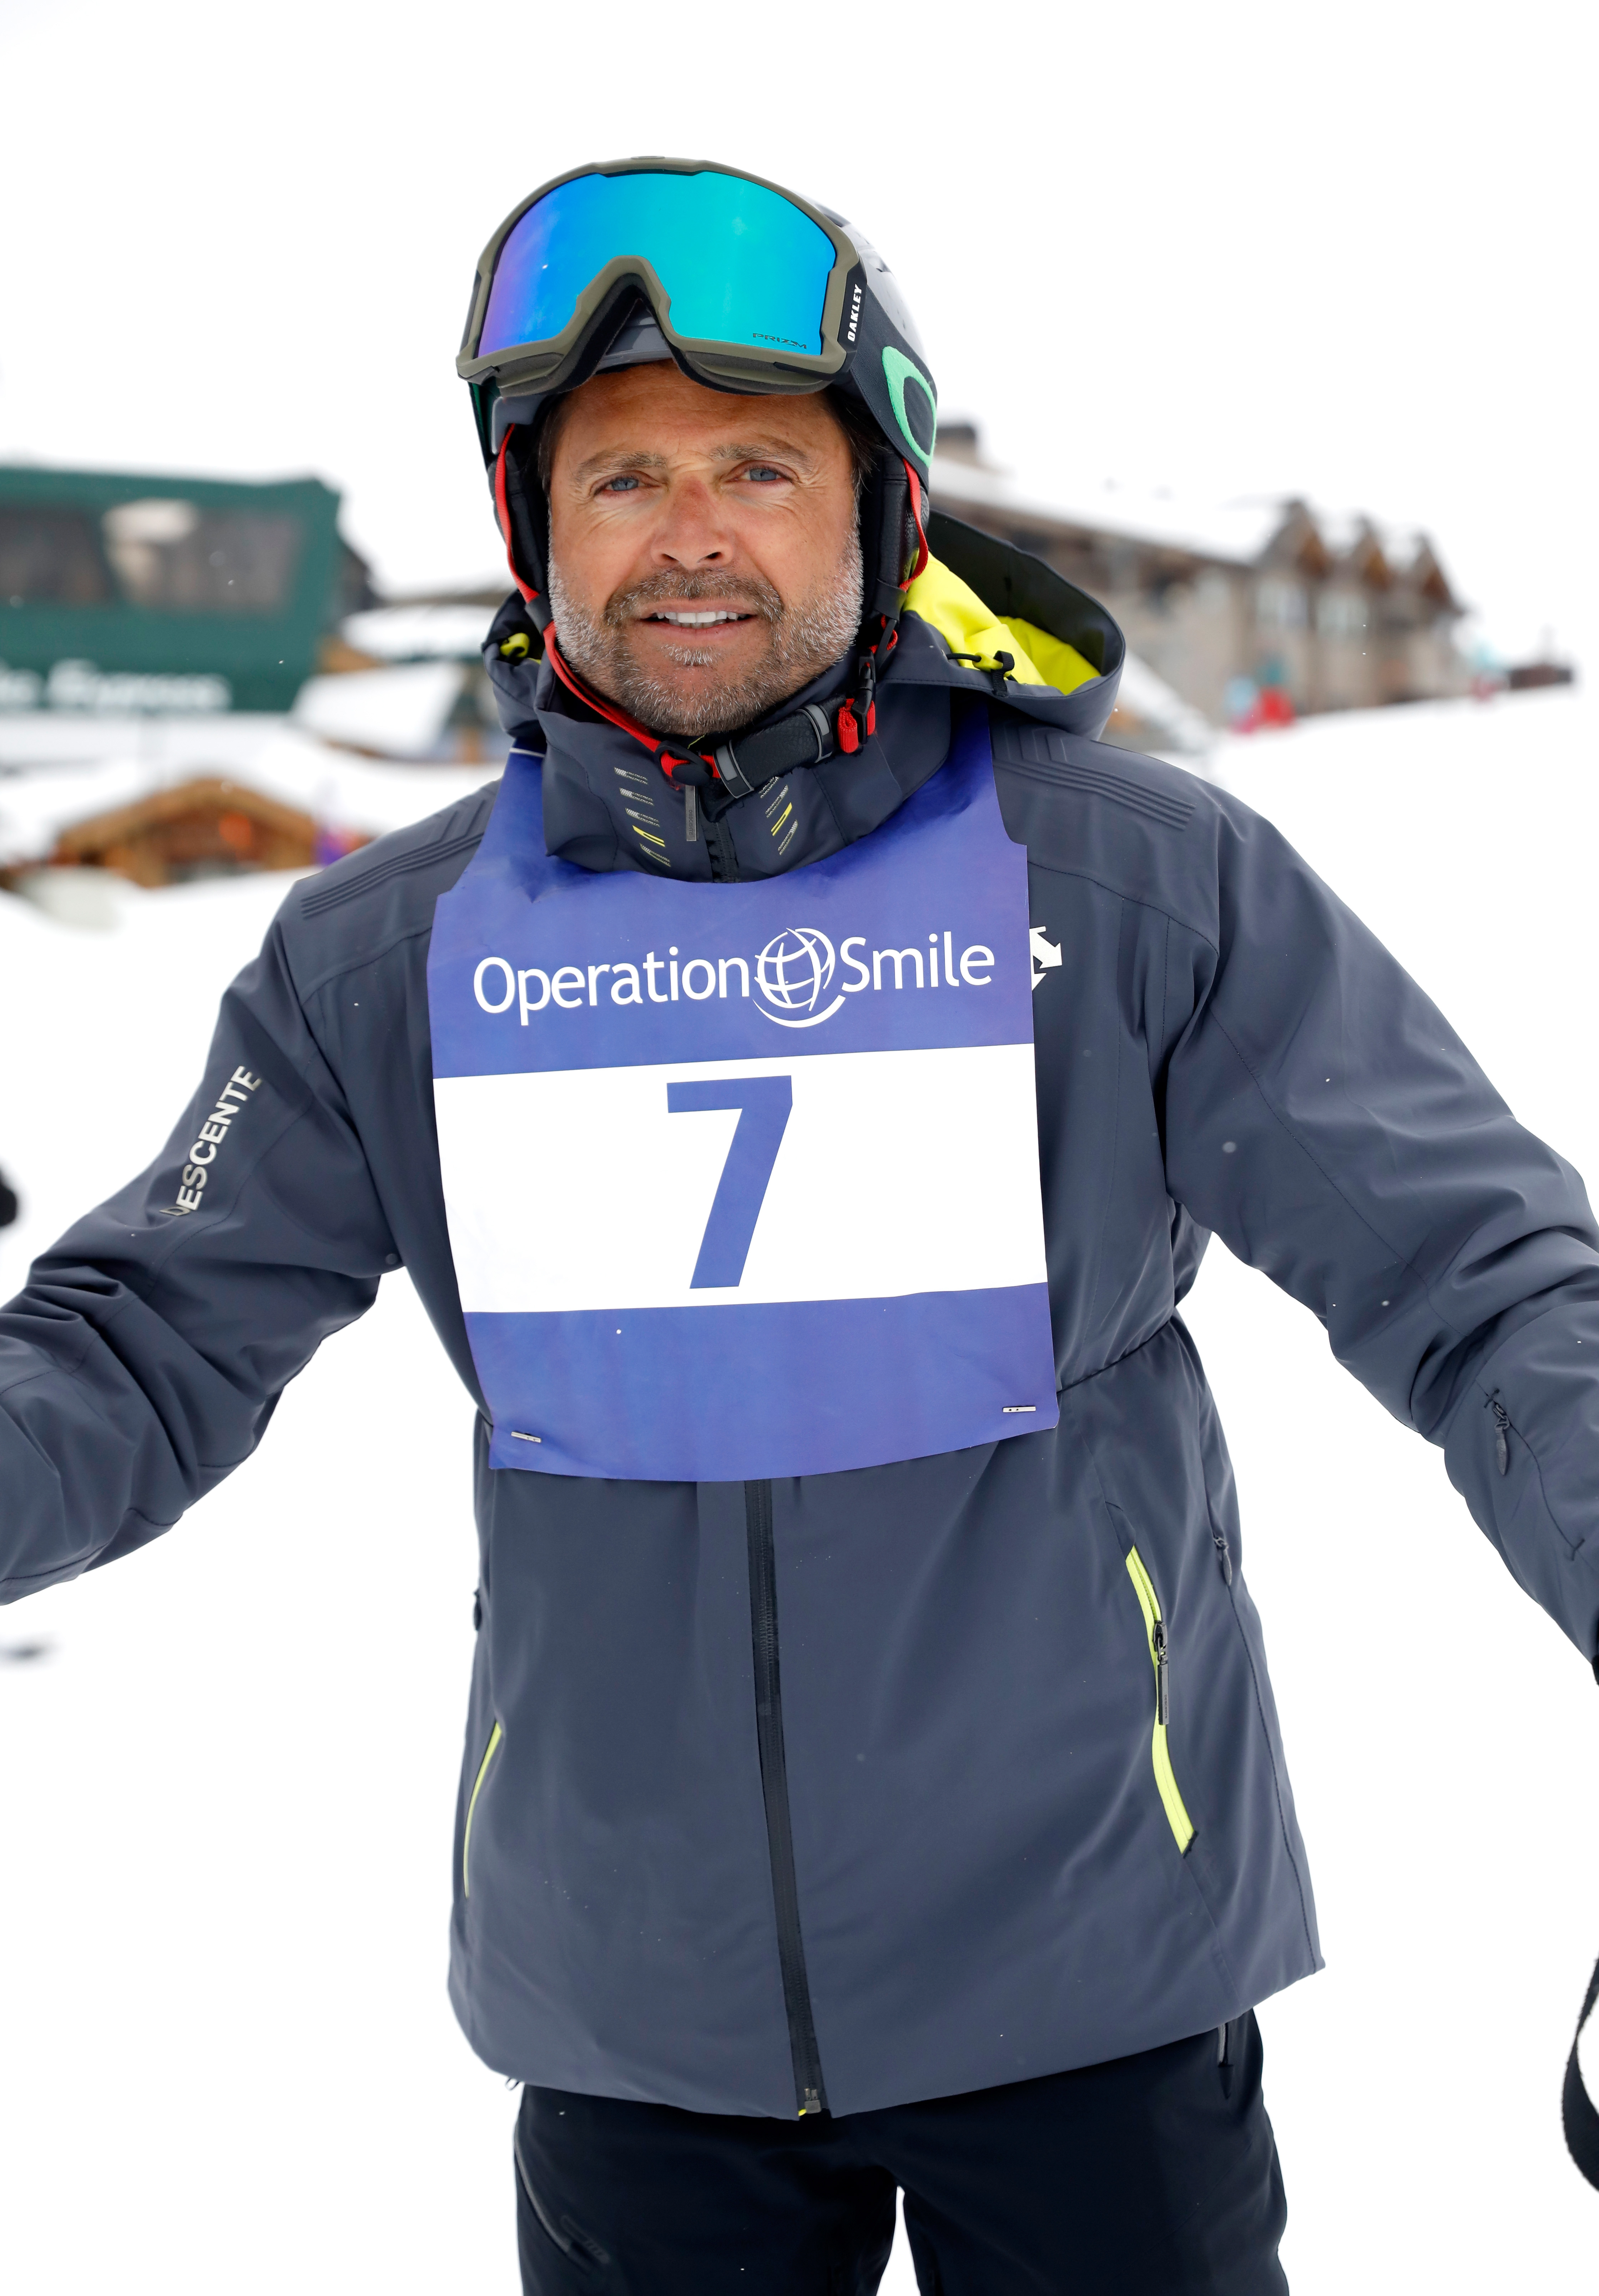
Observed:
{"x":762,"y":472}
{"x":621,"y":482}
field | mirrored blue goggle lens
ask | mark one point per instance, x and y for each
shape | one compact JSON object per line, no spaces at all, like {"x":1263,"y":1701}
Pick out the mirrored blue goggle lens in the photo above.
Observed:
{"x":740,"y":264}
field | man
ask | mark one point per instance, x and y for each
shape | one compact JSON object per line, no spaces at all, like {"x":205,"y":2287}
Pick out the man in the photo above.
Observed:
{"x":800,"y":1093}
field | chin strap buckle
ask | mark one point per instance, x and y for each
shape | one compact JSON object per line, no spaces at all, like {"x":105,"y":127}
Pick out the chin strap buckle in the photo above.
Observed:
{"x":803,"y":738}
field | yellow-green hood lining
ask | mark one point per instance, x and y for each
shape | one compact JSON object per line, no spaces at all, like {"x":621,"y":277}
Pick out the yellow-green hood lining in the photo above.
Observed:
{"x":967,"y":627}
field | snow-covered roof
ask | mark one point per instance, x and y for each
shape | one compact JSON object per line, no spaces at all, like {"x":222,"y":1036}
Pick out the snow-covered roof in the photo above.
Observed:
{"x":419,"y":632}
{"x":1348,"y":531}
{"x":400,"y":712}
{"x":1236,"y":533}
{"x":348,"y":793}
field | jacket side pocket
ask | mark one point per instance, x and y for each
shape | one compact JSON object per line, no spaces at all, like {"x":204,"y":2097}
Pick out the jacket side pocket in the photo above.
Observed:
{"x":495,"y":1736}
{"x":1154,"y":1628}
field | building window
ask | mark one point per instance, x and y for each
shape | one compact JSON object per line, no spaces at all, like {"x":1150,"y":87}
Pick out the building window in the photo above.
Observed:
{"x":1279,"y":604}
{"x":1341,"y":613}
{"x":50,"y":558}
{"x":171,"y":556}
{"x":178,"y":558}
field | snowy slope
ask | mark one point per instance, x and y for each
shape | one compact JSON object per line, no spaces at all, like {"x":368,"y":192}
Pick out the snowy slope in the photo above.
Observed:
{"x":1441,"y":1732}
{"x":226,"y":2062}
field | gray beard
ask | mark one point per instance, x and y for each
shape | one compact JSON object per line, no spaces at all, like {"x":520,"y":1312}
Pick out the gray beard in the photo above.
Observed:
{"x":804,"y":640}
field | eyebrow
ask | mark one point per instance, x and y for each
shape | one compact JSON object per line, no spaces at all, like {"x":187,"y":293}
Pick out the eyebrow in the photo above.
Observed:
{"x":642,"y":459}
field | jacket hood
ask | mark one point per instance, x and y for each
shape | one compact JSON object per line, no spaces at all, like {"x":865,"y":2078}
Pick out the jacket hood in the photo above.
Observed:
{"x":984,"y":621}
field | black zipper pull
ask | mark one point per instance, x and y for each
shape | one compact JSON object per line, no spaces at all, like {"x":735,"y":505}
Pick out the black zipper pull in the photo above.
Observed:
{"x":691,"y":814}
{"x":1223,"y":1556}
{"x":1501,"y":1433}
{"x":1162,"y":1688}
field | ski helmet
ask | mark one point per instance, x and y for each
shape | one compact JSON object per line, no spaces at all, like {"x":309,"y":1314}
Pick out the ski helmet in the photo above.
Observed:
{"x":747,"y":287}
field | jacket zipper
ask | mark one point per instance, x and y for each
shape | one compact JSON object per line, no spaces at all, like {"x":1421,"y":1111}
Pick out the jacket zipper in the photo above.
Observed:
{"x":495,"y":1736}
{"x":1154,"y":1628}
{"x":719,"y":850}
{"x":808,"y":2092}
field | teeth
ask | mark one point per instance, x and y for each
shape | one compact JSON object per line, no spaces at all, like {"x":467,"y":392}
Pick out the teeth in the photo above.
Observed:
{"x":695,"y":621}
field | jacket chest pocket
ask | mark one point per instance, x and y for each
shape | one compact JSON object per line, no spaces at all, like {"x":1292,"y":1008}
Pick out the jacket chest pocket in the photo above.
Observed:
{"x":1154,"y":1628}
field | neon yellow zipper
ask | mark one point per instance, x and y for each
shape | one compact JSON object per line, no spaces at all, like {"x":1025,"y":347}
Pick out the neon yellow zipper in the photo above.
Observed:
{"x":1154,"y":1628}
{"x":495,"y":1736}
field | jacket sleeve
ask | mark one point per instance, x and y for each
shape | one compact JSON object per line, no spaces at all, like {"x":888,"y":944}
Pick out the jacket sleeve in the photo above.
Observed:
{"x":147,"y":1353}
{"x":1324,"y":1119}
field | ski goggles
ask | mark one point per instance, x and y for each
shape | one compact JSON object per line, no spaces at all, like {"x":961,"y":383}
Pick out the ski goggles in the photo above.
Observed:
{"x":748,"y":283}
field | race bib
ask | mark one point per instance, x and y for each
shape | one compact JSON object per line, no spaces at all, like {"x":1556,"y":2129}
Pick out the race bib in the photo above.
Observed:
{"x":742,"y":1180}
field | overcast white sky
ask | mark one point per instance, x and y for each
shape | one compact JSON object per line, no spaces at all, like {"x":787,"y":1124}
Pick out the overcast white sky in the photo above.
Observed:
{"x":1345,"y":251}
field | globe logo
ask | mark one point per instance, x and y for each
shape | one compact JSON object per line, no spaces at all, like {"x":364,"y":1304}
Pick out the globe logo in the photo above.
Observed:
{"x":792,"y":973}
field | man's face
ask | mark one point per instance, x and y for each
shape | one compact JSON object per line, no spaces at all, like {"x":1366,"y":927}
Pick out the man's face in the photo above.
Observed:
{"x":704,"y":559}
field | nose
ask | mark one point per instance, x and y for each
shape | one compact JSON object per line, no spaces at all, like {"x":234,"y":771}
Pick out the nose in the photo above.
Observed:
{"x":693,"y":535}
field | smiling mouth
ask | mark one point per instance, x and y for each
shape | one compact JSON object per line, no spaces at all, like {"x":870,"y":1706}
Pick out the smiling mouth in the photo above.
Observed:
{"x":696,"y":621}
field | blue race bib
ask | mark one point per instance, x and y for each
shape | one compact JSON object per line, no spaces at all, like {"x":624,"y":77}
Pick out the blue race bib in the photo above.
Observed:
{"x":742,"y":1180}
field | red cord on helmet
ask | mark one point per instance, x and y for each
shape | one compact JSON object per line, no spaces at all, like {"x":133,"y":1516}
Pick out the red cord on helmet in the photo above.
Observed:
{"x":608,"y":710}
{"x":923,"y":554}
{"x":574,"y":684}
{"x":503,"y":512}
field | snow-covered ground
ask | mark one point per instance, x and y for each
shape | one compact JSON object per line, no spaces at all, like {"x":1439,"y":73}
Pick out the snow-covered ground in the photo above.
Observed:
{"x":226,"y":2062}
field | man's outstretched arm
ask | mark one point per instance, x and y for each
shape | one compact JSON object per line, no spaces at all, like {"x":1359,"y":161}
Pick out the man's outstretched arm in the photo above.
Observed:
{"x":1324,"y":1119}
{"x":147,"y":1353}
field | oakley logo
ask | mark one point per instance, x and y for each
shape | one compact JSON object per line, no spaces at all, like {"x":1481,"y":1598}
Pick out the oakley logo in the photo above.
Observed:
{"x":855,"y":314}
{"x":901,"y":375}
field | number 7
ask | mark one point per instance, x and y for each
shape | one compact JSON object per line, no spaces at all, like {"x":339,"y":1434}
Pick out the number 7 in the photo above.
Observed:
{"x":763,"y":1102}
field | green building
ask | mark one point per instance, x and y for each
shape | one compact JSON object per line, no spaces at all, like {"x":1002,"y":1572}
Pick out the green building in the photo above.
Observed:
{"x":123,"y":593}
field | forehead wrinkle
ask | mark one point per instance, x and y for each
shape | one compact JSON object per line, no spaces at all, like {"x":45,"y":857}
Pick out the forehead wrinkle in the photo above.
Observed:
{"x":643,"y":458}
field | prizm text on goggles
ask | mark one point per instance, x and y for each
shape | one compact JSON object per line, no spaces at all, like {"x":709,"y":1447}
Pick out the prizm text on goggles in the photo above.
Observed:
{"x":748,"y":284}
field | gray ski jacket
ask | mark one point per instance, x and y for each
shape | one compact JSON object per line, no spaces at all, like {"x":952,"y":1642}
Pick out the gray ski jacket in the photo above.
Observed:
{"x":863,"y":1788}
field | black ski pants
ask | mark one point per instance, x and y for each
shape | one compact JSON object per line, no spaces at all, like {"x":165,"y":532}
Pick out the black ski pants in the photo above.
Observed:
{"x":1154,"y":2174}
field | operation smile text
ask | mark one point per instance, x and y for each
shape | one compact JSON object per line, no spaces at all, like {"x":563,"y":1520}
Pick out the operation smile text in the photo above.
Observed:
{"x":792,"y":972}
